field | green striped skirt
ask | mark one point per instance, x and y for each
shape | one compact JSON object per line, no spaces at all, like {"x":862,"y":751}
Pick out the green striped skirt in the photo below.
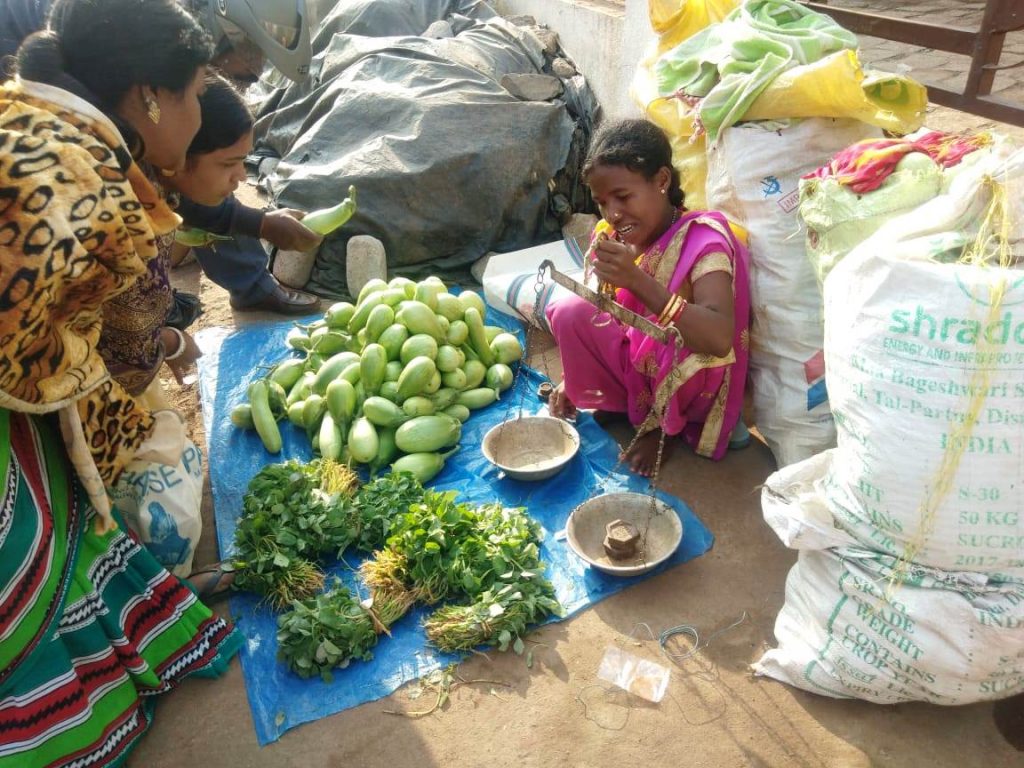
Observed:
{"x":92,"y":628}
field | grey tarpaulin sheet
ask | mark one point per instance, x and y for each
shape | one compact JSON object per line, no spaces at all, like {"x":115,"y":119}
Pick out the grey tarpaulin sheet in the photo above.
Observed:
{"x":448,"y":164}
{"x":282,"y":114}
{"x":280,"y":700}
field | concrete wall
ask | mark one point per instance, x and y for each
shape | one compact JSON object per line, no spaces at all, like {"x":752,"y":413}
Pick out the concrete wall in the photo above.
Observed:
{"x":604,"y":41}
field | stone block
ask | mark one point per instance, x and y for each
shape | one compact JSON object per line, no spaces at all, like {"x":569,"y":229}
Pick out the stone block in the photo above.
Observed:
{"x":530,"y":87}
{"x":579,"y":228}
{"x":365,"y":259}
{"x":439,"y":30}
{"x":548,"y":39}
{"x":563,"y":68}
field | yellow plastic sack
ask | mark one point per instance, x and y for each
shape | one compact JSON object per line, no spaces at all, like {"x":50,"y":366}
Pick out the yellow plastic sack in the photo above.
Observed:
{"x":676,"y":119}
{"x":675,"y":20}
{"x":836,"y":86}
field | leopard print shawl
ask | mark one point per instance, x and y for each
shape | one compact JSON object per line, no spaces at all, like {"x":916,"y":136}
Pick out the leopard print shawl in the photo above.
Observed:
{"x":78,"y":224}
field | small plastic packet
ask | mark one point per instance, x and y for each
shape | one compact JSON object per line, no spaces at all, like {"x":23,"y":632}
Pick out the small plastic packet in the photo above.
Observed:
{"x":638,"y":676}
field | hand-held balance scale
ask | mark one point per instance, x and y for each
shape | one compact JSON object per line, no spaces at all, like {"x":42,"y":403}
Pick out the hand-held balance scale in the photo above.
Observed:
{"x":620,"y":533}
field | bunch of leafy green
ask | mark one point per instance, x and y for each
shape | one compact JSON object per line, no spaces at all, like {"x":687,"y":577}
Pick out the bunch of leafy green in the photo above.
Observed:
{"x":441,"y":549}
{"x":505,"y":542}
{"x":452,"y":548}
{"x":499,"y":569}
{"x":428,"y":547}
{"x":378,"y":503}
{"x":429,"y":538}
{"x":328,"y":630}
{"x":288,"y":524}
{"x":498,"y":616}
{"x":323,"y":632}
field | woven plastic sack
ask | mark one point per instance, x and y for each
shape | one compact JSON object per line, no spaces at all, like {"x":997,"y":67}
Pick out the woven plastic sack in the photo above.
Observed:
{"x":753,"y":178}
{"x":676,"y":20}
{"x":836,"y":86}
{"x":924,"y":345}
{"x":857,"y":624}
{"x":910,"y":580}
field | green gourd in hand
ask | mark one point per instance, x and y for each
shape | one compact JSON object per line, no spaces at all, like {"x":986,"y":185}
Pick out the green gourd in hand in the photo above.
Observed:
{"x":326,"y":220}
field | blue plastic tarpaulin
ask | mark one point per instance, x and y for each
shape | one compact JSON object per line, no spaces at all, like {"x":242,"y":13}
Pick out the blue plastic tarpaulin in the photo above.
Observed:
{"x":281,"y":700}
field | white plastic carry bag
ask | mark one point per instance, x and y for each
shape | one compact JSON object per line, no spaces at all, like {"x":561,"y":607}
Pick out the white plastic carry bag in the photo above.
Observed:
{"x":510,"y":279}
{"x":162,"y":504}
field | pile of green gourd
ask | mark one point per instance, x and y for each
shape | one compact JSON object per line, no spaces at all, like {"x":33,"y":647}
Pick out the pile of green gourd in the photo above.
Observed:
{"x":388,"y":380}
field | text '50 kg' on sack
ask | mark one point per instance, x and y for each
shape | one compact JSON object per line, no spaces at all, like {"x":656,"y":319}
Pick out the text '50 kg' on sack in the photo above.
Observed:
{"x":910,"y":582}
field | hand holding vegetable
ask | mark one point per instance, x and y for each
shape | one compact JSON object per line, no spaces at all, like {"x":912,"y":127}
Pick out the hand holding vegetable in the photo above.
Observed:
{"x":284,"y":229}
{"x":326,"y":220}
{"x":615,"y":263}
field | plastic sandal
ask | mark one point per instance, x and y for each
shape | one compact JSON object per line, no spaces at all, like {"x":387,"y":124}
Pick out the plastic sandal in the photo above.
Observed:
{"x":213,"y":588}
{"x":740,"y":437}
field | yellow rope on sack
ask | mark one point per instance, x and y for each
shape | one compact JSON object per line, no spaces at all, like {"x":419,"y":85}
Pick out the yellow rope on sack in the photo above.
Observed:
{"x":990,"y":248}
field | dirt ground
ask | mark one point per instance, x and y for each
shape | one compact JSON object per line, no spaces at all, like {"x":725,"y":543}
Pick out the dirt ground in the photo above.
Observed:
{"x":556,"y":713}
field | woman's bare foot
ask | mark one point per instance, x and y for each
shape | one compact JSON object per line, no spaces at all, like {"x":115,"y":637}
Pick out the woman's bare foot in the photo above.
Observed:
{"x":643,"y":456}
{"x":559,"y":405}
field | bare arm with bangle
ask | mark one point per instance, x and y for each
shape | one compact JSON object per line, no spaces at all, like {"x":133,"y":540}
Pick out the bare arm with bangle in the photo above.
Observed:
{"x":706,"y":322}
{"x":180,"y":351}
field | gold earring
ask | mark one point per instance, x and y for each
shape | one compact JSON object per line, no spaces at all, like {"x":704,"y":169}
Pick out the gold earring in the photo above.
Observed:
{"x":153,"y":111}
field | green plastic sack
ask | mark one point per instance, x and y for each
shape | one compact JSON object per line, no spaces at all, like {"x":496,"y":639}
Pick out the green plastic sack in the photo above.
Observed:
{"x":728,"y":65}
{"x":838,"y":219}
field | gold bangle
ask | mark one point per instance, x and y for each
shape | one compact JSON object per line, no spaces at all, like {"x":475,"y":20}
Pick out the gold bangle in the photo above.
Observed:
{"x":678,"y":313}
{"x":670,"y":306}
{"x":665,"y":309}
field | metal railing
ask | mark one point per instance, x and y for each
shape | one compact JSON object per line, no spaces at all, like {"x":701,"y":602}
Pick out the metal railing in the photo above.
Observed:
{"x":984,"y":46}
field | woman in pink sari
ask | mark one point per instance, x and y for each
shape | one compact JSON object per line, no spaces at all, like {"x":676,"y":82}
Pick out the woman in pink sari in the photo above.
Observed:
{"x":677,"y":268}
